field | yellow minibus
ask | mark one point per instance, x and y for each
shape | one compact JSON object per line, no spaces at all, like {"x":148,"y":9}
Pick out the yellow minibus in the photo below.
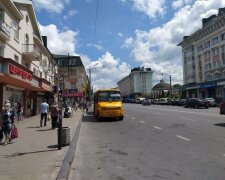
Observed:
{"x":108,"y":103}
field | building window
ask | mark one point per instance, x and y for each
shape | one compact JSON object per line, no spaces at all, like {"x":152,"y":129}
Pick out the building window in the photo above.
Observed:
{"x":1,"y":50}
{"x":207,"y":44}
{"x":27,"y":18}
{"x":73,"y":85}
{"x":200,"y":48}
{"x":215,"y":40}
{"x":60,"y":62}
{"x":223,"y":36}
{"x":16,"y":58}
{"x":1,"y":16}
{"x":16,"y":34}
{"x":72,"y":62}
{"x":215,"y":51}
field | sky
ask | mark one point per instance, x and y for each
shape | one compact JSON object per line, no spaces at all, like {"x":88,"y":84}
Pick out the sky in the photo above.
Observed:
{"x":114,"y":36}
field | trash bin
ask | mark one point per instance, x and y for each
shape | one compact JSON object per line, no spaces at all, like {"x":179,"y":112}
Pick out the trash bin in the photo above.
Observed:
{"x":65,"y":136}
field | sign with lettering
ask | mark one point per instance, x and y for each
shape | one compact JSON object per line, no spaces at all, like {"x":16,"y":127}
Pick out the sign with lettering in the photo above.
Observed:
{"x":20,"y":72}
{"x":78,"y":94}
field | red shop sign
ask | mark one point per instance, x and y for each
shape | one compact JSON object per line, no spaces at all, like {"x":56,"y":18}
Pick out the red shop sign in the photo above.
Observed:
{"x":18,"y":71}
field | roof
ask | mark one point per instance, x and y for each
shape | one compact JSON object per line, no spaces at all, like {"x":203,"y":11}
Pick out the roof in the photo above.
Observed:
{"x":79,"y":62}
{"x":161,"y":86}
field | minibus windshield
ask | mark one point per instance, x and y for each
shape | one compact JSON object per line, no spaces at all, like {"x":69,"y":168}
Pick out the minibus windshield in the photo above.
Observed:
{"x":109,"y":97}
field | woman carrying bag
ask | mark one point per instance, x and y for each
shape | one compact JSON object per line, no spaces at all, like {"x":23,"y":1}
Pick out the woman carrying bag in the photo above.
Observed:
{"x":54,"y":113}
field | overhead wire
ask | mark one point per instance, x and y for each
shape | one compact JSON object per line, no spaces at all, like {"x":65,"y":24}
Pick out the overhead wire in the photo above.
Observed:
{"x":96,"y":17}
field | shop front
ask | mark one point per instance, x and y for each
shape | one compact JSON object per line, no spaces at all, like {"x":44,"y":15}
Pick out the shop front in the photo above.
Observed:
{"x":18,"y":84}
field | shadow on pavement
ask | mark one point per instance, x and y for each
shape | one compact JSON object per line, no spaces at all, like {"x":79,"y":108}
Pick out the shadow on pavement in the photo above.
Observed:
{"x":52,"y":146}
{"x":92,"y":119}
{"x":220,"y":124}
{"x":31,"y":152}
{"x":33,"y":127}
{"x":44,"y":129}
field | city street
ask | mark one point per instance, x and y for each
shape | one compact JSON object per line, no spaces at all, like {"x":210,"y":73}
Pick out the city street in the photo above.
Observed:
{"x":152,"y":142}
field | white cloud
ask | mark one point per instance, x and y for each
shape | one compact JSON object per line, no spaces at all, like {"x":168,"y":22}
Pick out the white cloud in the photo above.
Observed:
{"x":107,"y":71}
{"x":180,"y":3}
{"x":152,"y":8}
{"x":128,"y":43}
{"x":120,"y":34}
{"x":59,"y":42}
{"x":97,"y":46}
{"x":71,"y":13}
{"x":159,"y":45}
{"x":55,"y":6}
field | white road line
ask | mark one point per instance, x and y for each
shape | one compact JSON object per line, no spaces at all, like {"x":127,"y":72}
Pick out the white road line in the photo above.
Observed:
{"x":157,"y":127}
{"x":142,"y":122}
{"x":189,"y":119}
{"x":181,"y":137}
{"x":133,"y":118}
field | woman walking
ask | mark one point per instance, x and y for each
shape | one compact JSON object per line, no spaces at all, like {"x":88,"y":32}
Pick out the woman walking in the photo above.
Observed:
{"x":54,"y":112}
{"x":8,"y":117}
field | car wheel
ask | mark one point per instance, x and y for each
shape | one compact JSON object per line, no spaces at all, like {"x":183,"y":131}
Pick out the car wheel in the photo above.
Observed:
{"x":196,"y":106}
{"x":206,"y":107}
{"x":121,"y":118}
{"x":98,"y":117}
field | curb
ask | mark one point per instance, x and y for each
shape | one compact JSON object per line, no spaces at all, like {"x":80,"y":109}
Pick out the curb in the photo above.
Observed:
{"x":65,"y":168}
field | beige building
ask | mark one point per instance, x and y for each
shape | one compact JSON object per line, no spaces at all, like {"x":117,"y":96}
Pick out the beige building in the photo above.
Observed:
{"x":204,"y":59}
{"x":26,"y":65}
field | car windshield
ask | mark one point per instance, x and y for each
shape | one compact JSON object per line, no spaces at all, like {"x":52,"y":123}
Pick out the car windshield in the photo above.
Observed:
{"x":109,"y":96}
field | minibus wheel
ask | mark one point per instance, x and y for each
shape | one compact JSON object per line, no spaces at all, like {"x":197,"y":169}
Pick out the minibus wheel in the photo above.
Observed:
{"x":121,"y":118}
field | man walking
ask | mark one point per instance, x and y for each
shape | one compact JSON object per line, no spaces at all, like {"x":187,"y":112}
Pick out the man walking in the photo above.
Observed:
{"x":44,"y":108}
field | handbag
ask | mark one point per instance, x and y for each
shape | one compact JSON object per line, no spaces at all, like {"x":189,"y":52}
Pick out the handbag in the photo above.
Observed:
{"x":14,"y":133}
{"x":49,"y":117}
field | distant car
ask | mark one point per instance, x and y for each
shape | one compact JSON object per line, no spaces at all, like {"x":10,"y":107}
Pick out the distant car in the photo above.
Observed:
{"x":196,"y":103}
{"x":146,"y":102}
{"x":139,"y":100}
{"x":155,"y":101}
{"x":211,"y":101}
{"x":222,"y":107}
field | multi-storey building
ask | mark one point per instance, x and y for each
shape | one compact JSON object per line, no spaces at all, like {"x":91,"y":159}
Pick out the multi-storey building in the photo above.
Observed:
{"x":137,"y":83}
{"x":26,"y":65}
{"x":204,"y":59}
{"x":75,"y":81}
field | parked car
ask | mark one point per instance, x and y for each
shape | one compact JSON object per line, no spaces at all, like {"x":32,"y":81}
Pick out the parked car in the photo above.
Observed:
{"x":155,"y":101}
{"x":211,"y":101}
{"x":146,"y":102}
{"x":222,"y":107}
{"x":182,"y":102}
{"x":139,"y":100}
{"x":165,"y":101}
{"x":196,"y":103}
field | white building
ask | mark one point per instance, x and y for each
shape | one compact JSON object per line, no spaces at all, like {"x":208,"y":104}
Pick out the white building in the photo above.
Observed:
{"x":137,"y":83}
{"x":26,"y":65}
{"x":204,"y":59}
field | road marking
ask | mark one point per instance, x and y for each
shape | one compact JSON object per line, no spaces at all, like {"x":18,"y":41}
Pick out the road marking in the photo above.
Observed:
{"x":133,"y":118}
{"x":157,"y":127}
{"x":189,"y":119}
{"x":181,"y":137}
{"x":142,"y":122}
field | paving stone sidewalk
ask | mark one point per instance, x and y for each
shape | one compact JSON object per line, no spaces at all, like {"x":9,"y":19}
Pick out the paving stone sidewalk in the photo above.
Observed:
{"x":35,"y":155}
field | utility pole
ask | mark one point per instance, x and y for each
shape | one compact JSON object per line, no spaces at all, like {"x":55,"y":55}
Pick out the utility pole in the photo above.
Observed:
{"x":170,"y":88}
{"x":90,"y":86}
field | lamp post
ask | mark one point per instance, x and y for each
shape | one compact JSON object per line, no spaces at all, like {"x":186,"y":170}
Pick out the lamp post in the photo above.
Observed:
{"x":90,"y":70}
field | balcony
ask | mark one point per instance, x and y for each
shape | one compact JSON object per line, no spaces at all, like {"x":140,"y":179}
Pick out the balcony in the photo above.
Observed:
{"x":31,"y":52}
{"x":5,"y":31}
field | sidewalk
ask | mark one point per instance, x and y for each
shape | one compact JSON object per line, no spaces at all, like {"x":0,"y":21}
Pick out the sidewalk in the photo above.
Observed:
{"x":35,"y":155}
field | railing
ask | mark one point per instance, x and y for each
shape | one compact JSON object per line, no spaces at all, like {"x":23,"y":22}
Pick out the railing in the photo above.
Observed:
{"x":30,"y":48}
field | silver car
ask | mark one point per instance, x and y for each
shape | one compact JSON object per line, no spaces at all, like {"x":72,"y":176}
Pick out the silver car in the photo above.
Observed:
{"x":211,"y":101}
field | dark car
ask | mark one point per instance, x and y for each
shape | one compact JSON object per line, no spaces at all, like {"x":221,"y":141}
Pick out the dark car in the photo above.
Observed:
{"x":222,"y":107}
{"x":146,"y":102}
{"x":196,"y":103}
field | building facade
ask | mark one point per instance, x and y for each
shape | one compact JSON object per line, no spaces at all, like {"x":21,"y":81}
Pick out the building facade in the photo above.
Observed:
{"x":26,"y":65}
{"x":137,"y":83}
{"x":204,"y":59}
{"x":75,"y":82}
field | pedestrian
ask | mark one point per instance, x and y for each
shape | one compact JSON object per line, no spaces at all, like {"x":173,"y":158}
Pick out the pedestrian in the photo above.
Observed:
{"x":8,"y":119}
{"x":44,"y":108}
{"x":54,"y":112}
{"x":19,"y":111}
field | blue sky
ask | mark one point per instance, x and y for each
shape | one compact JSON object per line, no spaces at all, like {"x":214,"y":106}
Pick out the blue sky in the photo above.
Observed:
{"x":128,"y":33}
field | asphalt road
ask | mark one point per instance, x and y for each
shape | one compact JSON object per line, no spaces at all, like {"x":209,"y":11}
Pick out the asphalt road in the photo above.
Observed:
{"x":152,"y":143}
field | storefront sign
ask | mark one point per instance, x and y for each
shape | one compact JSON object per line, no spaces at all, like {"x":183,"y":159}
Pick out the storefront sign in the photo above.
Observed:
{"x":19,"y":72}
{"x":79,"y":94}
{"x":6,"y":29}
{"x":208,"y":85}
{"x":46,"y":86}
